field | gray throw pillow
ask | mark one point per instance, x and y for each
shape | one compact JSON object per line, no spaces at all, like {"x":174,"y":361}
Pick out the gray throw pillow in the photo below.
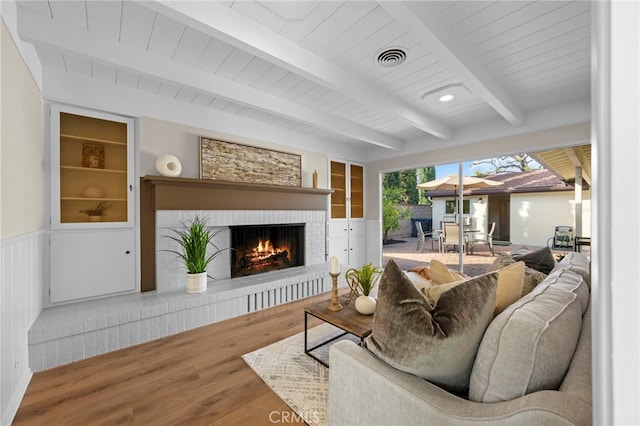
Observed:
{"x":541,"y":260}
{"x":440,"y":343}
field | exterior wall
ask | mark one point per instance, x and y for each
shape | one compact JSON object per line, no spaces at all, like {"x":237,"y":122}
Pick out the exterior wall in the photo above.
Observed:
{"x":534,"y":216}
{"x":477,"y":212}
{"x":22,"y":239}
{"x":418,"y":211}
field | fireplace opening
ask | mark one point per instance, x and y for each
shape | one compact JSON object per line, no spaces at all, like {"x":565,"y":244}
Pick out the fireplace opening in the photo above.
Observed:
{"x":264,"y":248}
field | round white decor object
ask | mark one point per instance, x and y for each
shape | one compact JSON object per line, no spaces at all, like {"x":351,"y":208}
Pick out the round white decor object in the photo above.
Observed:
{"x":168,"y":165}
{"x":92,"y":191}
{"x":366,"y":305}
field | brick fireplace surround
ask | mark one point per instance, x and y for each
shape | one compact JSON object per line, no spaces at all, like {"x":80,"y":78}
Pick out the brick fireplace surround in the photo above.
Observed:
{"x":68,"y":333}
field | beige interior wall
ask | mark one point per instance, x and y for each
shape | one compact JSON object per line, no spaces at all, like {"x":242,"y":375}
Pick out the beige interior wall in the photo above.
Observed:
{"x":159,"y":137}
{"x":21,"y":153}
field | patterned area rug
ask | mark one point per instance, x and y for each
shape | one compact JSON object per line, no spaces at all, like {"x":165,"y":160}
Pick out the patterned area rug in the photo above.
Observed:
{"x":301,"y":381}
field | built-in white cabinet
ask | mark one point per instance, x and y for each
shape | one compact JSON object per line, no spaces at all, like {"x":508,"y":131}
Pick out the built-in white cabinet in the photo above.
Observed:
{"x":92,"y":244}
{"x":347,"y":242}
{"x":91,"y":263}
{"x":347,"y":234}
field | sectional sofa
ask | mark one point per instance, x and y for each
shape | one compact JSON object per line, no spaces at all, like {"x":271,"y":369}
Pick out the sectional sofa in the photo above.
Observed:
{"x":532,"y":364}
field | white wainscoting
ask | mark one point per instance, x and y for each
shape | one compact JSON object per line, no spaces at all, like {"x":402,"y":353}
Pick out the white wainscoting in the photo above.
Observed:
{"x":21,"y":296}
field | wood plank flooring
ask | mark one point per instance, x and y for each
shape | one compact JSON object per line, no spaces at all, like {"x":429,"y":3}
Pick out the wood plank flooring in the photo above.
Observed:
{"x":193,"y":378}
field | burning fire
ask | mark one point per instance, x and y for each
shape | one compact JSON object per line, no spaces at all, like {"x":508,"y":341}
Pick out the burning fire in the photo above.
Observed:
{"x":265,"y":249}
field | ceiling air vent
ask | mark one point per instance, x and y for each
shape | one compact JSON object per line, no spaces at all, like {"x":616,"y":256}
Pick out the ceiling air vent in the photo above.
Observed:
{"x":391,"y":57}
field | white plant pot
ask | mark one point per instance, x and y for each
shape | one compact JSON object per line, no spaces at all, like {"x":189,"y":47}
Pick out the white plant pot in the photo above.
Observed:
{"x":365,"y":305}
{"x":196,"y":283}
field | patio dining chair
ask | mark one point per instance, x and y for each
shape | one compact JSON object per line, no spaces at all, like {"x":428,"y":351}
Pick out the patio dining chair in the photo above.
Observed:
{"x":450,"y":236}
{"x":422,"y":238}
{"x":482,"y":238}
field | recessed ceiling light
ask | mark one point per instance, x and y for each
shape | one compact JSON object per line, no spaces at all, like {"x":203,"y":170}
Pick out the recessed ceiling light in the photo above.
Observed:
{"x":447,"y":93}
{"x":391,"y":57}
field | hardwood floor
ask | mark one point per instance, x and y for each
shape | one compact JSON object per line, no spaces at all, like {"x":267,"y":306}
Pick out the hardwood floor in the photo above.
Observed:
{"x":193,"y":378}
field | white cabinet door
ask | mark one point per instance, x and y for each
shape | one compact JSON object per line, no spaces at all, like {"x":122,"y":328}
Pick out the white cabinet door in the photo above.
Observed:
{"x":91,"y":263}
{"x":347,"y":242}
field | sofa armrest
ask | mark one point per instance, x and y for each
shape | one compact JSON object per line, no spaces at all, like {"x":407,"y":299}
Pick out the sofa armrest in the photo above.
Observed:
{"x":363,"y":390}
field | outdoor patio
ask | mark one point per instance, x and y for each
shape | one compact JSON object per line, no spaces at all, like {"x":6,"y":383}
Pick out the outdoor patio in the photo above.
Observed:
{"x":406,"y":255}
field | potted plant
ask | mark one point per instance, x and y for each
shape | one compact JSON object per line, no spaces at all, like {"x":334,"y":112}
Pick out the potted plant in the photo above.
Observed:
{"x":194,"y":238}
{"x":364,"y":280}
{"x":95,"y":213}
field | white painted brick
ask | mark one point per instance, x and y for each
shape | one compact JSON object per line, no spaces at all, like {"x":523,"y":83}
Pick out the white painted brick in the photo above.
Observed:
{"x":135,"y":332}
{"x":77,"y":347}
{"x":90,"y":344}
{"x":125,"y":335}
{"x":50,"y":354}
{"x":36,"y":357}
{"x":173,"y":323}
{"x":154,"y":328}
{"x":65,"y":351}
{"x":181,"y":322}
{"x":145,"y":330}
{"x":102,"y":341}
{"x":113,"y":334}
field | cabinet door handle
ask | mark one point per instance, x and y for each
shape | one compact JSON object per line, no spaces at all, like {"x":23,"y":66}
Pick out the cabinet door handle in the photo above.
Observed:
{"x":127,"y":252}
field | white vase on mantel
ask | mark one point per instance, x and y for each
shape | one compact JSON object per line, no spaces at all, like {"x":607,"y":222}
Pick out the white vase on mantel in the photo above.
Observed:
{"x":366,"y":305}
{"x":196,"y":283}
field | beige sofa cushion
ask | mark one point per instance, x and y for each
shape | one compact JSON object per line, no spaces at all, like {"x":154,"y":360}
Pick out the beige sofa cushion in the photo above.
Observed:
{"x":529,"y":346}
{"x":436,"y":343}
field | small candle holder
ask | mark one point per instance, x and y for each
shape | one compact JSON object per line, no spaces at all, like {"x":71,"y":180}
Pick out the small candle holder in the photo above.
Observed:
{"x":335,"y":303}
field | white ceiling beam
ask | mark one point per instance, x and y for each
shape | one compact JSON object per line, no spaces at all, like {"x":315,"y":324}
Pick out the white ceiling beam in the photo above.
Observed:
{"x":578,"y":159}
{"x":43,"y":31}
{"x":219,"y":21}
{"x":419,"y":18}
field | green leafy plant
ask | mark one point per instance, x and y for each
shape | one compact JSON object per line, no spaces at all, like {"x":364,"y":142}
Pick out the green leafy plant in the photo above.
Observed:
{"x":391,"y":212}
{"x":365,"y":278}
{"x":194,"y":238}
{"x":97,"y":210}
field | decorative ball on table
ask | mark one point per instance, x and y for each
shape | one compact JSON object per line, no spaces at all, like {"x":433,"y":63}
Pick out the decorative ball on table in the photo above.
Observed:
{"x":168,"y":165}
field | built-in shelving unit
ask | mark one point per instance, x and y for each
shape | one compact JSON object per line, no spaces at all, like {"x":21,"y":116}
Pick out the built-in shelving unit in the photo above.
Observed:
{"x":93,"y":169}
{"x":92,"y":156}
{"x":347,"y":226}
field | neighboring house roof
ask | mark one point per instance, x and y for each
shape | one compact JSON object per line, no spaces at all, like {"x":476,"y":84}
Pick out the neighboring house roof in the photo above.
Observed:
{"x":541,"y":180}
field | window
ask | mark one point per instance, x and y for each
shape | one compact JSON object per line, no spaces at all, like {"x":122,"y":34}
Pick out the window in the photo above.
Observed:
{"x":450,"y":206}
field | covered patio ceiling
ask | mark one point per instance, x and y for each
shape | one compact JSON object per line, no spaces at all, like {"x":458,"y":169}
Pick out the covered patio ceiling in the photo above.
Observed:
{"x":563,"y":162}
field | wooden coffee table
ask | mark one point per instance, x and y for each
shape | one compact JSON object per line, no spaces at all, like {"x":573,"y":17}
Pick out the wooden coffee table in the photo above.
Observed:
{"x":348,"y":320}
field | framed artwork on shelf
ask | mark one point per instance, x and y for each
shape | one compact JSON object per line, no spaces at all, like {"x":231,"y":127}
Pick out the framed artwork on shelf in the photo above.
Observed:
{"x":235,"y":162}
{"x":93,"y":156}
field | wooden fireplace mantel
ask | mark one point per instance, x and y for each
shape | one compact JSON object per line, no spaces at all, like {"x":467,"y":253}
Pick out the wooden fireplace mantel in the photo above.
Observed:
{"x":166,"y":193}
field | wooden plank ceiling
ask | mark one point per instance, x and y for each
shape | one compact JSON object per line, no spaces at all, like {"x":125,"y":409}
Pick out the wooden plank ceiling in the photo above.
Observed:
{"x":310,"y":66}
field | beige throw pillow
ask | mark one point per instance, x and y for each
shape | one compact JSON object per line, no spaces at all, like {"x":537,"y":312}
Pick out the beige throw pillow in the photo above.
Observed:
{"x":436,"y":343}
{"x":440,"y":274}
{"x":510,"y":282}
